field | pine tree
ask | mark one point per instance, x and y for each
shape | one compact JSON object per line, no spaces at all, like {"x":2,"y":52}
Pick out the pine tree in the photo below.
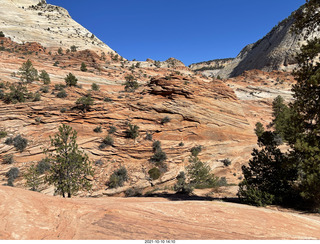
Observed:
{"x":70,"y":166}
{"x":32,"y":177}
{"x":44,"y":76}
{"x":83,"y":67}
{"x":306,"y":105}
{"x":28,"y":72}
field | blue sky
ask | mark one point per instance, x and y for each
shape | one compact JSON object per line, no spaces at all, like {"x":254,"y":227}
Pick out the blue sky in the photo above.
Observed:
{"x":191,"y":31}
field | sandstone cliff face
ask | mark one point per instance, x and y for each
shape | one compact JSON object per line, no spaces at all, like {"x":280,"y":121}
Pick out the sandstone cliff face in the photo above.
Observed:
{"x":51,"y":26}
{"x":211,"y":67}
{"x":275,"y":51}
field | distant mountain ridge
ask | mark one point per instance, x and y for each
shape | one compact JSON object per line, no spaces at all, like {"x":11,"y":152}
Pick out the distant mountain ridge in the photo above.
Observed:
{"x":275,"y":51}
{"x":49,"y":25}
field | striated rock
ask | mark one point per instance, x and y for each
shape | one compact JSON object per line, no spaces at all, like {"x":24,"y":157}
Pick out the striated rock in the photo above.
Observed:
{"x":49,"y":25}
{"x":27,"y":215}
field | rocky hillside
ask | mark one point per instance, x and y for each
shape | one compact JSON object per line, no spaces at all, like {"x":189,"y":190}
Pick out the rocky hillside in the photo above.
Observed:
{"x":275,"y":51}
{"x":172,"y":104}
{"x":211,"y":67}
{"x":49,"y":25}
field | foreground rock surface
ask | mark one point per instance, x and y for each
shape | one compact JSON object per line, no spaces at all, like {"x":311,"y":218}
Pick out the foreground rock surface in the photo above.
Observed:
{"x":30,"y":215}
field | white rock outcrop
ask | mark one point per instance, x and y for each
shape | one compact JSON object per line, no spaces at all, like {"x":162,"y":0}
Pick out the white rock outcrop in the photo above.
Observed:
{"x":51,"y":26}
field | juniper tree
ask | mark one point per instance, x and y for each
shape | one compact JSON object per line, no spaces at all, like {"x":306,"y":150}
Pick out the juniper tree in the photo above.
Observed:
{"x":70,"y":167}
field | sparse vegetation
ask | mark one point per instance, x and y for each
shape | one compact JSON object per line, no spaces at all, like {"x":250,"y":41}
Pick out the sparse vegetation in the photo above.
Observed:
{"x":84,"y":103}
{"x":131,"y":83}
{"x":107,"y":141}
{"x":73,"y":48}
{"x":97,"y":129}
{"x":95,"y":87}
{"x":3,"y":134}
{"x":118,"y":178}
{"x":182,"y":186}
{"x":71,"y":80}
{"x":2,"y":34}
{"x":112,"y":129}
{"x":62,"y":94}
{"x":132,"y":132}
{"x":226,"y":162}
{"x":196,"y":150}
{"x":12,"y":174}
{"x":154,"y":173}
{"x":43,"y":166}
{"x":83,"y":67}
{"x":20,"y":143}
{"x":8,"y":159}
{"x":165,"y":120}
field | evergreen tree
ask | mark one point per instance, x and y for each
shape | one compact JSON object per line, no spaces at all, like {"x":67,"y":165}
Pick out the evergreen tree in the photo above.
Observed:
{"x":306,"y":105}
{"x":259,"y":129}
{"x":83,"y":67}
{"x":33,"y":178}
{"x":71,"y":80}
{"x":70,"y":166}
{"x":28,"y":72}
{"x":44,"y":76}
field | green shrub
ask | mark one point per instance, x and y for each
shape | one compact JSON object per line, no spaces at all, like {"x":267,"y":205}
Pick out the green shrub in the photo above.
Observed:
{"x":131,"y":83}
{"x":63,"y":110}
{"x":71,"y":80}
{"x":84,"y":103}
{"x":108,"y":141}
{"x":2,"y":34}
{"x":20,"y":143}
{"x":59,"y":87}
{"x":12,"y":174}
{"x":112,"y":129}
{"x":43,"y":166}
{"x":8,"y":141}
{"x":181,"y":144}
{"x":156,"y":146}
{"x":253,"y":196}
{"x":8,"y":159}
{"x":226,"y":162}
{"x":73,"y":48}
{"x":95,"y":87}
{"x":56,"y":63}
{"x":165,"y":120}
{"x":3,"y":134}
{"x":36,"y":97}
{"x":62,"y":94}
{"x":133,"y":192}
{"x":83,"y":67}
{"x":18,"y":94}
{"x":159,"y":157}
{"x":44,"y":89}
{"x":118,"y":178}
{"x":182,"y":186}
{"x":97,"y":129}
{"x":154,"y":173}
{"x":196,"y":150}
{"x":222,"y":182}
{"x":132,"y":132}
{"x":107,"y":99}
{"x":149,"y":136}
